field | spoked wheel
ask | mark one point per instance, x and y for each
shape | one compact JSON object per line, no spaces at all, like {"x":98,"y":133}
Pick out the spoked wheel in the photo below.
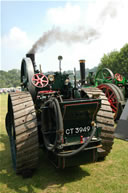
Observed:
{"x":103,"y":76}
{"x":114,"y":96}
{"x":118,"y":77}
{"x":21,"y":125}
{"x":39,"y":80}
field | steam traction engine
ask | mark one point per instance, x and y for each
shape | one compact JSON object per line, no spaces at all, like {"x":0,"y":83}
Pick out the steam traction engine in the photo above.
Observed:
{"x":115,"y":87}
{"x":73,"y":126}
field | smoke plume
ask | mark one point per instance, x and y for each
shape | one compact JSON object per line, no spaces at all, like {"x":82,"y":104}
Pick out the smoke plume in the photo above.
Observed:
{"x":68,"y":37}
{"x":80,"y":34}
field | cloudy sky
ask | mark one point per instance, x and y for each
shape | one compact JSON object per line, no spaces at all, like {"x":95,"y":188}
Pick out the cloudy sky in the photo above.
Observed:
{"x":74,"y":29}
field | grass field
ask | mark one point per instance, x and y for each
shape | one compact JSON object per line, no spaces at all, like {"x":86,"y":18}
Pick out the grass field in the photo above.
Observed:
{"x":109,"y":176}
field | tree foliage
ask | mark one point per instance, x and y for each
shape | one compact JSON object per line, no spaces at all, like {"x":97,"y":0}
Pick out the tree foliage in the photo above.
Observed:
{"x":10,"y":78}
{"x":117,"y":61}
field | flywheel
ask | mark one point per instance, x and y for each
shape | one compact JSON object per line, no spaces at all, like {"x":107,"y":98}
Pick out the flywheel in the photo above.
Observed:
{"x":27,"y":72}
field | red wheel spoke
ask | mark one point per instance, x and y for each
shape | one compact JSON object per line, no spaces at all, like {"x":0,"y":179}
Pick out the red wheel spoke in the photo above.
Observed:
{"x":114,"y":110}
{"x":114,"y":106}
{"x":44,"y":81}
{"x":41,"y":84}
{"x":111,"y":96}
{"x":36,"y":83}
{"x":106,"y":92}
{"x":35,"y":79}
{"x":42,"y":77}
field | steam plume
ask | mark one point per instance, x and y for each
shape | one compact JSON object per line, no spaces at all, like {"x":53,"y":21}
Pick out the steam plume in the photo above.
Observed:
{"x":79,"y":35}
{"x":55,"y":34}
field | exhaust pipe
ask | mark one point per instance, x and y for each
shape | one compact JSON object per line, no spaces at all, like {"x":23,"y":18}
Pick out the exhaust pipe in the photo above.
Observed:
{"x":82,"y":71}
{"x":32,"y":57}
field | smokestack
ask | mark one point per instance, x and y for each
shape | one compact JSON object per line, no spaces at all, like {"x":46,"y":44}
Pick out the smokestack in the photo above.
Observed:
{"x":60,"y":58}
{"x":82,"y":71}
{"x":32,"y":57}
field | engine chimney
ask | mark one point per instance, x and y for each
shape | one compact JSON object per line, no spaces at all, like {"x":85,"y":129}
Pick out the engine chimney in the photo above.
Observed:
{"x":82,"y":71}
{"x":32,"y":57}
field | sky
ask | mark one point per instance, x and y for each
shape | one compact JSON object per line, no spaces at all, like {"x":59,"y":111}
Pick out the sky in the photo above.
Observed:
{"x":76,"y":30}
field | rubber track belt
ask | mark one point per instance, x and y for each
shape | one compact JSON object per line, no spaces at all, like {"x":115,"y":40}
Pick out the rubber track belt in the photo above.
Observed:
{"x":105,"y":120}
{"x":26,"y":133}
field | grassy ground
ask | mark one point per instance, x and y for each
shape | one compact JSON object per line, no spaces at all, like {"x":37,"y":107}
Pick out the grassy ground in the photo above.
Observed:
{"x":109,"y":176}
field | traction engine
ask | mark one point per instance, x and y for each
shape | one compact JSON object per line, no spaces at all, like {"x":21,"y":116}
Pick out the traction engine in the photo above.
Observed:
{"x":115,"y":88}
{"x":73,"y":126}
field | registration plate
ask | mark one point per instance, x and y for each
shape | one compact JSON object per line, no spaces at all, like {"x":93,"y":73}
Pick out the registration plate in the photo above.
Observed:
{"x":77,"y":130}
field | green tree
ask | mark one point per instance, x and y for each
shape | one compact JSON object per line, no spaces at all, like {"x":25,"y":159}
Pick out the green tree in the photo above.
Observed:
{"x":117,"y":61}
{"x":10,"y":78}
{"x":123,"y":61}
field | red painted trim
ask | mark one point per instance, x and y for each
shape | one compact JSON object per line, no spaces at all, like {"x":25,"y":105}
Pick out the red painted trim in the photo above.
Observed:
{"x":80,"y":104}
{"x":46,"y":91}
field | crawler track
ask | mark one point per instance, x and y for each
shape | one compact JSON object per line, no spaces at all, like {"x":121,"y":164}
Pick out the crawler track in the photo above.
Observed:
{"x":21,"y":125}
{"x":104,"y":119}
